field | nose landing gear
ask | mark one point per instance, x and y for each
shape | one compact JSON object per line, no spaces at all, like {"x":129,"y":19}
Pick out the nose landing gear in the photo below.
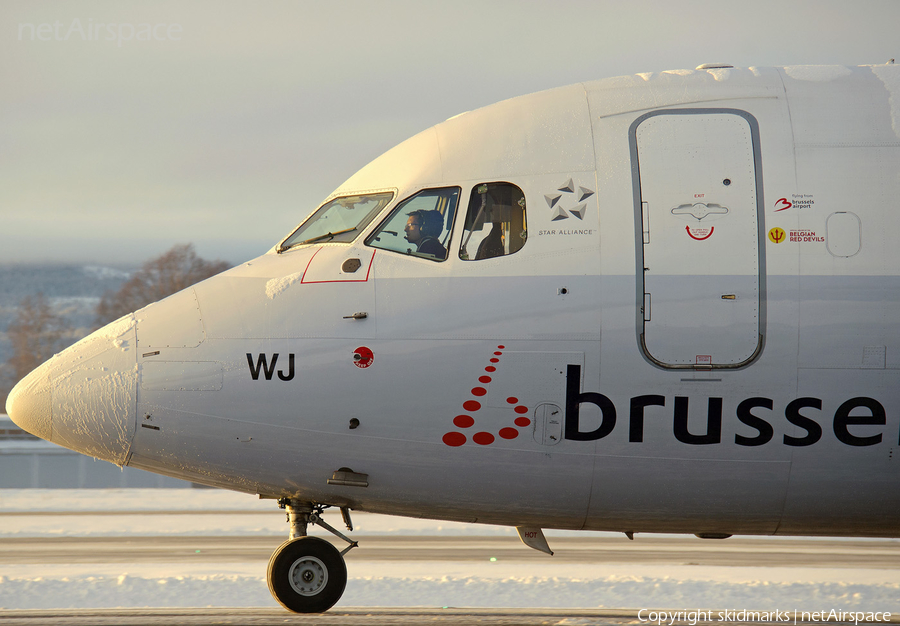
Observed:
{"x":308,"y":574}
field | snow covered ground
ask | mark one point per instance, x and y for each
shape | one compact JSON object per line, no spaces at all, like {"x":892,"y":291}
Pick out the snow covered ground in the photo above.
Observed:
{"x":472,"y":583}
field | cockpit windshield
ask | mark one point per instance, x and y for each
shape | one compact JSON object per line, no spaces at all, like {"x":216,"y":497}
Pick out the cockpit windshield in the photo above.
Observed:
{"x":340,"y":220}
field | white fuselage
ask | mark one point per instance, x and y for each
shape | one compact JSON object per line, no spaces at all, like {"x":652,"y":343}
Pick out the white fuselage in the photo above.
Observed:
{"x":701,"y":332}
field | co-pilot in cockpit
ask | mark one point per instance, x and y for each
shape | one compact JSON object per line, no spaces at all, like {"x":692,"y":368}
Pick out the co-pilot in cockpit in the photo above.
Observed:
{"x":502,"y":205}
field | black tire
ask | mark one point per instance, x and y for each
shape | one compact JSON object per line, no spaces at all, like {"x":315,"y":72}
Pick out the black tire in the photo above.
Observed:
{"x":307,"y":575}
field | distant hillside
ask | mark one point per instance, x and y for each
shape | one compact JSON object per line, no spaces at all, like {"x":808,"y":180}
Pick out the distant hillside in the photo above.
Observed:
{"x":73,"y":292}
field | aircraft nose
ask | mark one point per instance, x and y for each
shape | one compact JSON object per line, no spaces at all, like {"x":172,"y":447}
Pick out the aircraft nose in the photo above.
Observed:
{"x":85,"y":397}
{"x":28,"y":404}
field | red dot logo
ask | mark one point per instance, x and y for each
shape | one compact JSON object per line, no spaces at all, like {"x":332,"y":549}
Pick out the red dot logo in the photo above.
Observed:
{"x":454,"y":439}
{"x":491,"y":413}
{"x":483,"y":439}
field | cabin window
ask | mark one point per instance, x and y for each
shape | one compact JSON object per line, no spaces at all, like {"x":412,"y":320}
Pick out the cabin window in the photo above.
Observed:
{"x":340,"y":220}
{"x":843,"y":234}
{"x":420,"y":225}
{"x":495,"y":222}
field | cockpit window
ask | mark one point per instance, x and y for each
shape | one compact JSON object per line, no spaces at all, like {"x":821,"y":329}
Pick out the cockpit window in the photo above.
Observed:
{"x":340,"y":220}
{"x":495,"y":222}
{"x":420,"y":225}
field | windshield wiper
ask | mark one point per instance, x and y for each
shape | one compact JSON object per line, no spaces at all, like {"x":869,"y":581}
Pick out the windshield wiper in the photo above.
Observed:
{"x":319,"y":238}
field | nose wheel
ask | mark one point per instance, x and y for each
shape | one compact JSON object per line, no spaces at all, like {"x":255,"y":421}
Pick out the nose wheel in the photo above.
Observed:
{"x":308,"y":574}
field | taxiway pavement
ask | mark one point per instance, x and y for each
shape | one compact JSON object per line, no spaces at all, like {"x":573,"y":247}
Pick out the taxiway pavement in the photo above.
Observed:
{"x":669,"y":550}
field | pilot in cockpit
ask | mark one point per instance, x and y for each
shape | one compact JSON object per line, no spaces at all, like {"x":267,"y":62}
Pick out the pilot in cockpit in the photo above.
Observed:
{"x":422,"y":229}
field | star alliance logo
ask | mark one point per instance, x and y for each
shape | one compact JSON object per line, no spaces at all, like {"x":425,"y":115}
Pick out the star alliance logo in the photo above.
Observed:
{"x":556,"y":201}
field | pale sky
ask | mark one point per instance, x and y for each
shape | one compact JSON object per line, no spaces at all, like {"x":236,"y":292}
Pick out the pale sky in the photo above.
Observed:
{"x":237,"y":118}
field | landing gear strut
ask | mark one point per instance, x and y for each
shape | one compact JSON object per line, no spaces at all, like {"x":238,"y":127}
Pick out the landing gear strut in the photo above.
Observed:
{"x":307,"y":574}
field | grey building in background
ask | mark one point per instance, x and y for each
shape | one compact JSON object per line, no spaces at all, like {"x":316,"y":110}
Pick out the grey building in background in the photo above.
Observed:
{"x":29,"y":462}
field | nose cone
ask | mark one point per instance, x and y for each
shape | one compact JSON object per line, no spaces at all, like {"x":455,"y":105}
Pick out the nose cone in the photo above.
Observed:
{"x":85,"y":397}
{"x":28,"y":404}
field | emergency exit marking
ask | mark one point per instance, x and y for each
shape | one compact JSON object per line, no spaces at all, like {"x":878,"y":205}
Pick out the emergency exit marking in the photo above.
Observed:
{"x":700,"y":233}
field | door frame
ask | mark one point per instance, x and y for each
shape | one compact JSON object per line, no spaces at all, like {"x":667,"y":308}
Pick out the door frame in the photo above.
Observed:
{"x":639,"y":235}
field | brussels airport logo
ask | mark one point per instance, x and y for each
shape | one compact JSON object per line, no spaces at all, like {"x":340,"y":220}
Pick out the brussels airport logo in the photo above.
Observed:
{"x":89,"y":30}
{"x":783,"y":204}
